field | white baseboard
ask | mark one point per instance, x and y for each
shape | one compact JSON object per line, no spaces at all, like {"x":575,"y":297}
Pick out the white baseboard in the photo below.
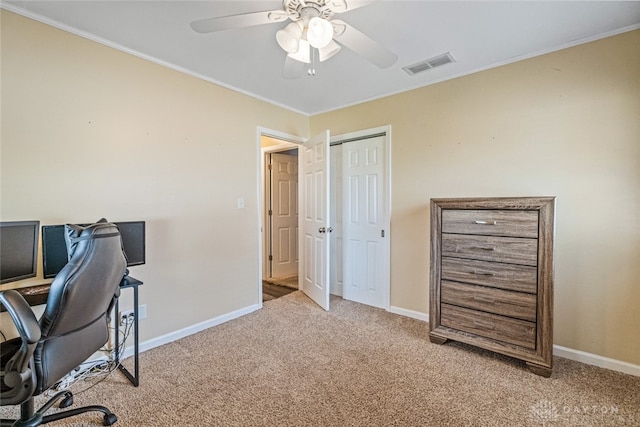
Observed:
{"x":409,"y":313}
{"x":567,"y":353}
{"x":596,"y":360}
{"x":185,"y":332}
{"x":560,"y":351}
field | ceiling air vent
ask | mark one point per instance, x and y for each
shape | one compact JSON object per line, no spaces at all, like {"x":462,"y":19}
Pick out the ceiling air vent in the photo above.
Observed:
{"x":430,"y":63}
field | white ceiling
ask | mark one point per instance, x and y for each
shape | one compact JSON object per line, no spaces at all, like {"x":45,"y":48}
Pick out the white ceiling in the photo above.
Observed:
{"x":479,"y":34}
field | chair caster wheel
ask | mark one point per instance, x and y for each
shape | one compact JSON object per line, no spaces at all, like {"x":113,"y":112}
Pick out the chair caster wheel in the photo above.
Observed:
{"x":109,"y":419}
{"x":66,"y":401}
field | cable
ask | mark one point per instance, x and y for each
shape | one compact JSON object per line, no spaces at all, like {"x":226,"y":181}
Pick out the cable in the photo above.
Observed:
{"x":99,"y":368}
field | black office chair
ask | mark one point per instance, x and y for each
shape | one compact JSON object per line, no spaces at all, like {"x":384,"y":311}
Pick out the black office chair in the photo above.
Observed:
{"x":73,"y":326}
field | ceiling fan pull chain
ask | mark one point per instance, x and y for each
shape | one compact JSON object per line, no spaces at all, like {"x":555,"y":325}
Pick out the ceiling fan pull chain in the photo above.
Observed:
{"x":312,"y":67}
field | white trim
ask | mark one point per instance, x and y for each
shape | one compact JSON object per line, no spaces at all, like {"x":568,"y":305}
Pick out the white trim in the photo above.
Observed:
{"x":596,"y":360}
{"x":105,"y":42}
{"x":418,"y":315}
{"x":288,"y":138}
{"x":75,"y":31}
{"x":190,"y":330}
{"x":508,"y":61}
{"x":560,"y":351}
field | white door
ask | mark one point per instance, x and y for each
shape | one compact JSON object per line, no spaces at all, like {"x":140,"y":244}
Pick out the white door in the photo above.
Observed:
{"x":365,"y":222}
{"x":284,"y":215}
{"x":314,"y":218}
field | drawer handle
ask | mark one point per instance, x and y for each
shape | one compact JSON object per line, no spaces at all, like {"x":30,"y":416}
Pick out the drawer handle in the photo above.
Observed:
{"x":484,"y":248}
{"x":486,"y":222}
{"x":483,"y":325}
{"x":480,"y":298}
{"x":481,"y":273}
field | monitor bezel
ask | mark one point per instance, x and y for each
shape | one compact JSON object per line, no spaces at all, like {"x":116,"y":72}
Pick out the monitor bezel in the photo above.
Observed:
{"x":35,"y":243}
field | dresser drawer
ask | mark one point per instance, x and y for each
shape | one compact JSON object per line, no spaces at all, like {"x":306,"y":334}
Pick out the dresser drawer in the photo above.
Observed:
{"x":489,"y":248}
{"x":505,"y":329}
{"x":497,"y":275}
{"x":491,"y":222}
{"x":496,"y":301}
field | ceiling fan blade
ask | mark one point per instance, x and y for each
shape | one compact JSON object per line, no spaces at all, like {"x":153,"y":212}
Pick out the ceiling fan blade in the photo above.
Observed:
{"x":292,"y":68}
{"x":341,"y":6}
{"x":354,"y":4}
{"x":221,"y":23}
{"x":353,"y":39}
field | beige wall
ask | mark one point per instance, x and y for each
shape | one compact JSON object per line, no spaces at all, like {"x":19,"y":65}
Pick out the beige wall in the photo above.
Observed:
{"x":566,"y":124}
{"x":88,"y":131}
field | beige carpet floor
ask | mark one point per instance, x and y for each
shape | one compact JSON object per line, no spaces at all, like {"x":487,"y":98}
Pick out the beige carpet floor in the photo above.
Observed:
{"x":293,"y":364}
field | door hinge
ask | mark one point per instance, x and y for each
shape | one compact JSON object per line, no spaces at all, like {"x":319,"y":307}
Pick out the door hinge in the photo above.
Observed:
{"x":270,"y":257}
{"x":270,"y":212}
{"x":270,"y":167}
{"x":382,"y":233}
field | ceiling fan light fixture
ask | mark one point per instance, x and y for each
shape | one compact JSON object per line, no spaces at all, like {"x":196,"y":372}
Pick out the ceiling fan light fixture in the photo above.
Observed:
{"x":289,"y":37}
{"x":328,"y":51}
{"x":319,"y":32}
{"x":303,"y":54}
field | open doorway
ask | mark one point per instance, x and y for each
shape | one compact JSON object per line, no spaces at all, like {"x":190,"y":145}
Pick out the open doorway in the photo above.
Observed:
{"x":354,"y":179}
{"x":280,"y":217}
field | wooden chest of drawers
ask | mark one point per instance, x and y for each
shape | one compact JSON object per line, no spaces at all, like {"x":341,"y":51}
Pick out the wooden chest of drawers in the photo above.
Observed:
{"x":491,"y":281}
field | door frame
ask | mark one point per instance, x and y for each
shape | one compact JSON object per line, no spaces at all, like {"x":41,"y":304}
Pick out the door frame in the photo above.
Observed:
{"x":298,"y":140}
{"x":290,"y":140}
{"x":364,"y":134}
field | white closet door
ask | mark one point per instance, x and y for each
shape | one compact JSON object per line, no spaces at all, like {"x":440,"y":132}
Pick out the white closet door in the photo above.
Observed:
{"x":365,"y":223}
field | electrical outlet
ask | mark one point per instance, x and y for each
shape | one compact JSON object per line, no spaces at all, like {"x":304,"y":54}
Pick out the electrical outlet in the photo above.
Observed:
{"x":126,"y":317}
{"x":142,"y":311}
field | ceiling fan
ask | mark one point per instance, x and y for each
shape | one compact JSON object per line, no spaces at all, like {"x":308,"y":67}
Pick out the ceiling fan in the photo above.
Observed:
{"x":313,"y":31}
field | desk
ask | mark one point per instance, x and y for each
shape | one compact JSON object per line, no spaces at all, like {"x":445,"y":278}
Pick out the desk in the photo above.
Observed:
{"x":129,"y":282}
{"x":37,"y":295}
{"x":34,"y":295}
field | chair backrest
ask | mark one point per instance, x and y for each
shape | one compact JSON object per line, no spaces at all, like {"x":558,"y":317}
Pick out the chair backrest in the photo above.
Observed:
{"x":74,"y":324}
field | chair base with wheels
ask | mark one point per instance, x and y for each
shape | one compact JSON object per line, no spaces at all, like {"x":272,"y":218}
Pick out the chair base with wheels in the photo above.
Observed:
{"x":29,"y":417}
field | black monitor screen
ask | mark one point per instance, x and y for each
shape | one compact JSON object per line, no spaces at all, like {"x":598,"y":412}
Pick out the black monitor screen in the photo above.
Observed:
{"x":18,"y":250}
{"x":54,"y":247}
{"x":133,"y":241}
{"x":54,"y":250}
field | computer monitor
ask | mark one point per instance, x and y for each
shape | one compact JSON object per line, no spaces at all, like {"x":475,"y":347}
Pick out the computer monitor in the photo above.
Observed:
{"x":18,"y":250}
{"x":54,"y":248}
{"x":133,"y":241}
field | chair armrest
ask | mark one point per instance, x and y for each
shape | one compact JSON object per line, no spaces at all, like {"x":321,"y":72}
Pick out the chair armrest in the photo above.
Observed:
{"x":18,"y":378}
{"x":22,"y":316}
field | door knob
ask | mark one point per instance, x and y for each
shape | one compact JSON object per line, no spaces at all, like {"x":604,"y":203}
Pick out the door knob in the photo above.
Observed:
{"x":329,"y":229}
{"x":322,"y":230}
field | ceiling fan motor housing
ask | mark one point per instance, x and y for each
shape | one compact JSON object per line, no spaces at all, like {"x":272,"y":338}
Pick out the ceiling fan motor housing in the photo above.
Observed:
{"x":300,"y":9}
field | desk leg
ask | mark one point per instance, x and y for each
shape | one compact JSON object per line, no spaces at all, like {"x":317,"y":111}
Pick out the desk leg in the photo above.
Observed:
{"x":116,"y":316}
{"x":136,"y":349}
{"x":135,"y":379}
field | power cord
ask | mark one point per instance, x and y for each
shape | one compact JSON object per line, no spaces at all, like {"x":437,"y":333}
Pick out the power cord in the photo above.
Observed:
{"x":97,"y":368}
